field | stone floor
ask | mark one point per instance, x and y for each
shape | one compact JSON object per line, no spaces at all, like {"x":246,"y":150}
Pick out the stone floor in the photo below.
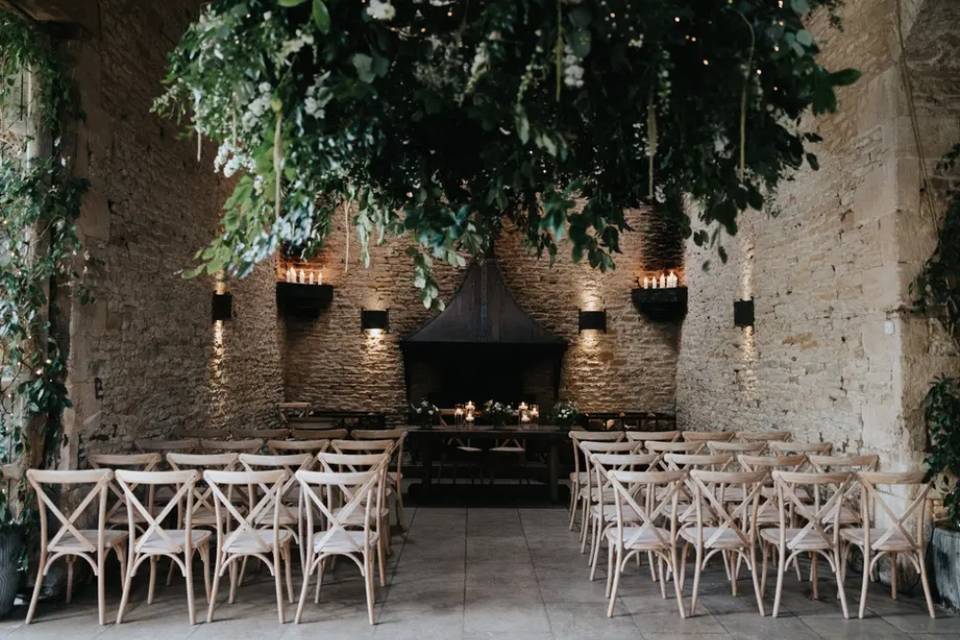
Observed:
{"x":489,"y":573}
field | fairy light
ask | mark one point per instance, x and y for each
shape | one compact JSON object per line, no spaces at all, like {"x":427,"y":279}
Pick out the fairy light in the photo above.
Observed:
{"x":706,"y":62}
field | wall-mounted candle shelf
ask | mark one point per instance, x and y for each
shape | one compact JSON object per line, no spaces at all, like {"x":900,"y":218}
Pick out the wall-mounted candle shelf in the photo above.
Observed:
{"x":222,"y":306}
{"x":303,"y":300}
{"x":661,"y":304}
{"x":743,"y":313}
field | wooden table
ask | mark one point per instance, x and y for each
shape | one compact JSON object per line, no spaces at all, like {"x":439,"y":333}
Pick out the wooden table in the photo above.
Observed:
{"x":429,"y":441}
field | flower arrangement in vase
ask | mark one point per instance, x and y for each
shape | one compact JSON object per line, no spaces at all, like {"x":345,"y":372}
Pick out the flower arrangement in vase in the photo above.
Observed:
{"x":498,"y":413}
{"x":565,"y":413}
{"x":424,"y":413}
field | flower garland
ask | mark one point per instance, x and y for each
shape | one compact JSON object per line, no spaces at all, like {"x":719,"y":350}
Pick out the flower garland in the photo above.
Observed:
{"x":439,"y":120}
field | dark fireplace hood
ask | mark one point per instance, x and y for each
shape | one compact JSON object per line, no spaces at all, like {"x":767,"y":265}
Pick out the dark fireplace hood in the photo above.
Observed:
{"x":482,"y":346}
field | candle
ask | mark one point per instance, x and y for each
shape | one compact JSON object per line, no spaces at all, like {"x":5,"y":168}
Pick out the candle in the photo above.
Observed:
{"x":663,"y":281}
{"x":291,"y":275}
{"x":672,"y":280}
{"x":320,"y":276}
{"x":301,"y":280}
{"x":310,"y":277}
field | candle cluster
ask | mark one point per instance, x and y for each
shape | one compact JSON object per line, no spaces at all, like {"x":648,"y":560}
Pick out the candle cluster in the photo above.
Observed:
{"x":304,"y":276}
{"x":663,"y":280}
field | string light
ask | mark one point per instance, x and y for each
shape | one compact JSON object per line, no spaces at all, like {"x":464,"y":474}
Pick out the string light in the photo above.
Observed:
{"x":706,"y":62}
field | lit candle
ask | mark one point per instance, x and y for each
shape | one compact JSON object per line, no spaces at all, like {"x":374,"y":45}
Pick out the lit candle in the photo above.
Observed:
{"x":663,"y":281}
{"x":672,"y":280}
{"x":291,"y":274}
{"x":310,"y":277}
{"x":301,"y":277}
{"x":320,"y":276}
{"x":646,"y":282}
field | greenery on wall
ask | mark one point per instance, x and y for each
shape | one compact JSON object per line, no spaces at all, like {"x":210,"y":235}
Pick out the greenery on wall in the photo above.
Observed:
{"x":440,"y":120}
{"x":39,"y":202}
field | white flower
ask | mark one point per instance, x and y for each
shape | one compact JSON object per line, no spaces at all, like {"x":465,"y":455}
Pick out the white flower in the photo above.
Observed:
{"x":381,"y":10}
{"x":264,"y":87}
{"x":572,"y":71}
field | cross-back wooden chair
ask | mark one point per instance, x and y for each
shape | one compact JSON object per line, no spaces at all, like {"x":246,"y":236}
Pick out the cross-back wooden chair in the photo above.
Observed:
{"x":319,"y":434}
{"x":588,"y":496}
{"x":655,"y":532}
{"x":705,"y":436}
{"x":251,"y":445}
{"x":902,"y":531}
{"x":735,"y":448}
{"x":778,"y":447}
{"x":688,"y":462}
{"x":661,"y":436}
{"x":342,"y":499}
{"x":290,"y":504}
{"x":71,"y":540}
{"x":579,"y":477}
{"x":602,"y":514}
{"x":204,"y":511}
{"x":179,"y":544}
{"x":286,"y":447}
{"x":767,"y":512}
{"x":724,"y":526}
{"x":241,"y":535}
{"x":662,"y":448}
{"x":763,"y":436}
{"x":186,"y":445}
{"x":820,"y":533}
{"x":852,"y":463}
{"x":395,"y":475}
{"x":117,"y":512}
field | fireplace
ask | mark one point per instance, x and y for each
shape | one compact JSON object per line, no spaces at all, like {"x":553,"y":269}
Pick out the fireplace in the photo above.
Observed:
{"x":482,"y":346}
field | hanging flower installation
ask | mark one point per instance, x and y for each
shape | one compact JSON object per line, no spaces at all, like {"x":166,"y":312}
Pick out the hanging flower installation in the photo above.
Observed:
{"x":440,"y":119}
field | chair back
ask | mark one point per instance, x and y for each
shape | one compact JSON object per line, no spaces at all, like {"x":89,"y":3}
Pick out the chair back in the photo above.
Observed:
{"x":852,"y":463}
{"x":397,"y":436}
{"x":879,"y":496}
{"x":785,"y":463}
{"x":336,"y":497}
{"x":129,"y":461}
{"x":242,"y":533}
{"x":319,"y":434}
{"x":203,"y":502}
{"x":263,"y":434}
{"x":784,"y":448}
{"x":579,"y":435}
{"x":724,"y":515}
{"x":666,"y":448}
{"x":283,"y":447}
{"x":661,"y":436}
{"x":735,"y":448}
{"x":704,"y":436}
{"x":659,"y":491}
{"x":186,"y":445}
{"x":252,"y":445}
{"x":68,"y":539}
{"x":161,"y":541}
{"x":291,"y":463}
{"x":828,"y":491}
{"x":763,"y":436}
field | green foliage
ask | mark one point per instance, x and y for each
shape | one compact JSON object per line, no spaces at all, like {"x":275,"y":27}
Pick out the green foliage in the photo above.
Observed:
{"x":39,"y":202}
{"x":439,"y":121}
{"x":941,"y":411}
{"x":564,"y":413}
{"x":498,"y":413}
{"x":937,"y":289}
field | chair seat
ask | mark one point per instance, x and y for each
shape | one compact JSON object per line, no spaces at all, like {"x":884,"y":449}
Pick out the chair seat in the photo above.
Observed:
{"x":896,"y":542}
{"x":468,"y":449}
{"x":111,"y":538}
{"x":516,"y":450}
{"x":342,"y":541}
{"x":812,"y":540}
{"x":847,"y":516}
{"x":646,"y":537}
{"x":728,"y":539}
{"x":157,"y":544}
{"x":610,"y":513}
{"x":249,"y":542}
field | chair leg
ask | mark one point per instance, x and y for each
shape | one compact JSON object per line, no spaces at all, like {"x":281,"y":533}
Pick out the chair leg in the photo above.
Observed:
{"x":70,"y":560}
{"x":925,"y":583}
{"x":843,"y":594}
{"x":893,"y":575}
{"x":316,"y":595}
{"x":781,"y":568}
{"x":814,"y":578}
{"x":307,"y":572}
{"x":683,"y":566}
{"x":41,"y":566}
{"x":368,"y":583}
{"x":616,"y":583}
{"x":125,"y":597}
{"x":153,"y":579}
{"x":676,"y":582}
{"x":205,"y":558}
{"x":609,"y":570}
{"x":696,"y":577}
{"x":381,"y":564}
{"x":756,"y":579}
{"x":233,"y":570}
{"x":864,"y":581}
{"x":289,"y":575}
{"x":278,"y":582}
{"x":217,"y":570}
{"x":101,"y":589}
{"x":574,"y":496}
{"x":188,"y":576}
{"x":662,"y":576}
{"x":763,"y":571}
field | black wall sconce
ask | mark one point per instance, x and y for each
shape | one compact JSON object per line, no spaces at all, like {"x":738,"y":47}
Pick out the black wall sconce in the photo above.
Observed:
{"x":222,"y":306}
{"x":371,"y":319}
{"x":743,"y":313}
{"x":593,"y":321}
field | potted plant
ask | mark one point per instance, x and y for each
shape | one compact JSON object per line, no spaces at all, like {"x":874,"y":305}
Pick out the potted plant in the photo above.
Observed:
{"x":941,"y":413}
{"x":11,"y":541}
{"x":565,"y":413}
{"x":424,"y":413}
{"x":498,"y":413}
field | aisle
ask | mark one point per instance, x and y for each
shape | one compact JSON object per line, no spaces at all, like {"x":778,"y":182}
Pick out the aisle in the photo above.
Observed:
{"x":468,"y":574}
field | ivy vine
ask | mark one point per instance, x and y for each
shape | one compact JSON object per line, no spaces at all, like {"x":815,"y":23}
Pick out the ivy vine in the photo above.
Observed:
{"x":39,"y":203}
{"x":440,"y":120}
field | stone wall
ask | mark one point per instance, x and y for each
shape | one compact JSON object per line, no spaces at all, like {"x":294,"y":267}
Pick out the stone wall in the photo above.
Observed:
{"x":835,"y":353}
{"x":330,"y":362}
{"x":145,"y":357}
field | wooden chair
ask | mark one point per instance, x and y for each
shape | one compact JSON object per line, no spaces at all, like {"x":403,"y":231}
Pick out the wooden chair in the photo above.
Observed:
{"x":763,"y":436}
{"x":849,"y":463}
{"x":660,"y":436}
{"x":704,"y":436}
{"x":895,"y":538}
{"x":240,"y":536}
{"x":263,"y":434}
{"x":736,"y":448}
{"x":285,"y":447}
{"x":155,"y":542}
{"x":657,"y":530}
{"x":253,"y":445}
{"x":204,"y":511}
{"x":291,"y":501}
{"x":816,"y":537}
{"x":394,"y":477}
{"x":602,"y":514}
{"x":187,"y":445}
{"x":117,"y":514}
{"x":319,"y":434}
{"x":70,"y":541}
{"x":681,"y":447}
{"x":590,"y":497}
{"x":777,"y":447}
{"x":342,"y":498}
{"x":731,"y":532}
{"x":579,"y":477}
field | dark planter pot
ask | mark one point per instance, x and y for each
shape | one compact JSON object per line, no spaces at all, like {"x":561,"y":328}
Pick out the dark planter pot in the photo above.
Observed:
{"x":945,"y":556}
{"x":11,"y":544}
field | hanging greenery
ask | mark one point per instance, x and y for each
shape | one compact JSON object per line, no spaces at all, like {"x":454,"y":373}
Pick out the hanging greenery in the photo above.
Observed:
{"x":39,"y":202}
{"x":439,"y":119}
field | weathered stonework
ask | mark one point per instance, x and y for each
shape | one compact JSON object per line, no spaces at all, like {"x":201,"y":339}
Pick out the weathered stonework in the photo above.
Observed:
{"x":835,"y":353}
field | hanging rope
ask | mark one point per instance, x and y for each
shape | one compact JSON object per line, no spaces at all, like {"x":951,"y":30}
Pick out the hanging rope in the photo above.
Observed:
{"x":651,"y":143}
{"x":742,"y":169}
{"x":346,"y":235}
